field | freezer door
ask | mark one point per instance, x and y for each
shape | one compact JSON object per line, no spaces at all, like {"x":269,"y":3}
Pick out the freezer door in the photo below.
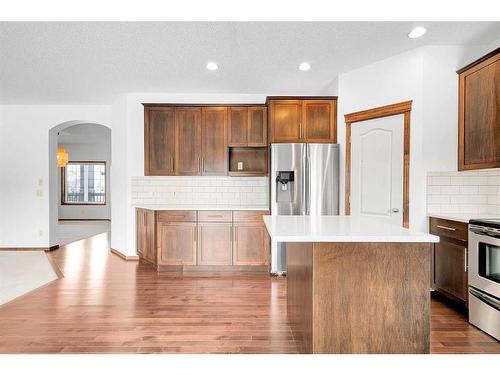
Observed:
{"x":322,"y":179}
{"x":289,"y":157}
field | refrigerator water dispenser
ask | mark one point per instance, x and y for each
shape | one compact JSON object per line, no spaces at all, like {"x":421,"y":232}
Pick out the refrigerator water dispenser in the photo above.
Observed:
{"x":284,"y":186}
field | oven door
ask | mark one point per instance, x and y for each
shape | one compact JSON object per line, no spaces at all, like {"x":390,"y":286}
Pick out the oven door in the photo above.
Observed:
{"x":484,"y":262}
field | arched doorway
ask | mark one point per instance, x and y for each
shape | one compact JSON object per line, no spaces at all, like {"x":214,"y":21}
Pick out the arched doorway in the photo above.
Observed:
{"x":89,"y":148}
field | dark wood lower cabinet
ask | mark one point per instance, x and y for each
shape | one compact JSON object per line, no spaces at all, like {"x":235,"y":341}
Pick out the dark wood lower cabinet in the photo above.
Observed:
{"x":214,"y":244}
{"x":251,"y":244}
{"x":203,"y":240}
{"x":177,"y":243}
{"x":146,"y":235}
{"x":449,"y":259}
{"x":450,"y":274}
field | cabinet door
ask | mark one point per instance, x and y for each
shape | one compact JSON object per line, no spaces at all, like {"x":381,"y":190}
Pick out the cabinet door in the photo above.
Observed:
{"x":215,"y":244}
{"x":257,"y":126}
{"x":214,"y":141}
{"x":286,"y":121}
{"x":159,"y":150}
{"x":450,"y":274}
{"x":479,"y":115}
{"x":251,"y":244}
{"x":177,"y":243}
{"x":319,"y":124}
{"x":149,"y":245}
{"x":238,"y":126}
{"x":139,"y":231}
{"x":187,"y":141}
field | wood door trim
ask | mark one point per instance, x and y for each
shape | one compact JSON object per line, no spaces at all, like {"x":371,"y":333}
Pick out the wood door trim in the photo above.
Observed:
{"x":384,"y":111}
{"x":374,"y":113}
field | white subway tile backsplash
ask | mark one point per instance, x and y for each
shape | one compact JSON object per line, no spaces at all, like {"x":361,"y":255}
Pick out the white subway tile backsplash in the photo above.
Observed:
{"x":473,"y":192}
{"x":440,"y":180}
{"x":449,"y":189}
{"x":186,"y":190}
{"x":488,"y":190}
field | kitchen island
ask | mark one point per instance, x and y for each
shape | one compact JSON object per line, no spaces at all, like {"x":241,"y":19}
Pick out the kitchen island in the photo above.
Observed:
{"x":355,"y":285}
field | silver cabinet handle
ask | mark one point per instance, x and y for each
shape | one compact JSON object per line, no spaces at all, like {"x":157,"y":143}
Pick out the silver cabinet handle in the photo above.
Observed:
{"x":395,"y":210}
{"x":465,"y":259}
{"x":447,"y":228}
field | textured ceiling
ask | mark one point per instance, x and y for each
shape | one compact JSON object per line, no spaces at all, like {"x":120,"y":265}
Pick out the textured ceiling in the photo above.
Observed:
{"x":60,"y":62}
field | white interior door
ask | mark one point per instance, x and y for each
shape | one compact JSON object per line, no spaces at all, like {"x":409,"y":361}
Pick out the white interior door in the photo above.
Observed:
{"x":377,"y":168}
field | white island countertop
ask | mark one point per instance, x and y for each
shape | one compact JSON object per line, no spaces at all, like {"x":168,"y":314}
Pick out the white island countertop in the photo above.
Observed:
{"x":339,"y":229}
{"x":199,"y":207}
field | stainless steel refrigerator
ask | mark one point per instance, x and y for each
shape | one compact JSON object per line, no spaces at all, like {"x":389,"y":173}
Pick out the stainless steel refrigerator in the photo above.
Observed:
{"x":304,"y":181}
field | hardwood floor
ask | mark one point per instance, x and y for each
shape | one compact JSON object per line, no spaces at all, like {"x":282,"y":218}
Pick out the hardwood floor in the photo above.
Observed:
{"x":107,"y":305}
{"x":452,"y":333}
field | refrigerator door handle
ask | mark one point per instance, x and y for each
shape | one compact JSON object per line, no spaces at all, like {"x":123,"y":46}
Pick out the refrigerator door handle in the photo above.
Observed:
{"x":308,"y":179}
{"x":304,"y":207}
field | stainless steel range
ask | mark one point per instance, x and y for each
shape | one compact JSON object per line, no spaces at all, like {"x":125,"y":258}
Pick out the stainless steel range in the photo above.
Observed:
{"x":484,"y":275}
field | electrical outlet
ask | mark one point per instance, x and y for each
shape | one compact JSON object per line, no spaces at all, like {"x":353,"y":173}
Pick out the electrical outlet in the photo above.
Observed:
{"x":39,"y":193}
{"x":240,"y":165}
{"x":40,"y":182}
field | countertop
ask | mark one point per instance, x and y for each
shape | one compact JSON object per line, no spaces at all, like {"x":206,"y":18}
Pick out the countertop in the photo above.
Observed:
{"x":463,"y":218}
{"x":339,"y":229}
{"x":201,"y":208}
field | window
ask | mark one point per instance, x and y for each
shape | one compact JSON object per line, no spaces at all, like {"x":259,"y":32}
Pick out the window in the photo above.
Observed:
{"x":84,"y":183}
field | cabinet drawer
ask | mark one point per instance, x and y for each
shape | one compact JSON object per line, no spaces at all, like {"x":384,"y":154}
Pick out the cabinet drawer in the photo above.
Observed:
{"x":249,"y":216}
{"x":217,"y":216}
{"x":164,"y":216}
{"x":449,"y":228}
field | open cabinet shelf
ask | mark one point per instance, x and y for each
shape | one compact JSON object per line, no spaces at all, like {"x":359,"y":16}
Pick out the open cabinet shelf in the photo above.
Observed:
{"x":254,"y":159}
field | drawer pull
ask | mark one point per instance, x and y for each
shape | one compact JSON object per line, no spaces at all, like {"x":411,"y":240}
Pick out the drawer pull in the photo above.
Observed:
{"x":214,"y":215}
{"x":447,"y":228}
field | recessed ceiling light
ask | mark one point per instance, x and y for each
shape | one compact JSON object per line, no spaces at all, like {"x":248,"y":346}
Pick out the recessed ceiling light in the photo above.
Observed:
{"x":305,"y":66}
{"x":212,"y":66}
{"x":417,"y":32}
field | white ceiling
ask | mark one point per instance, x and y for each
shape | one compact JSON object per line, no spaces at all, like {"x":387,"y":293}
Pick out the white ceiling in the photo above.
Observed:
{"x":61,"y":62}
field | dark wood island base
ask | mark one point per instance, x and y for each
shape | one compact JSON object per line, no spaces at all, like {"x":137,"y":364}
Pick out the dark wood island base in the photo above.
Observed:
{"x":359,"y":297}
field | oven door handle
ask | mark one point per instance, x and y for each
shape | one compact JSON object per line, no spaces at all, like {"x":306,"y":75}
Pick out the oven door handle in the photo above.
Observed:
{"x":490,"y":301}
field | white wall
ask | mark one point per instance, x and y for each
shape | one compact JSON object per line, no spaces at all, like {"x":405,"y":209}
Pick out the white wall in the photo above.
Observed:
{"x":428,"y":77}
{"x":24,"y":169}
{"x":100,"y":151}
{"x":393,"y":80}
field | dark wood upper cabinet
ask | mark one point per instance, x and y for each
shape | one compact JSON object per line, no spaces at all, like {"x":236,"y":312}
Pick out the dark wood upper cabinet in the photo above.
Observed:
{"x":238,"y":126}
{"x":319,"y":120}
{"x":479,"y":114}
{"x":194,"y":140}
{"x":306,"y":119}
{"x":286,"y":120}
{"x":257,"y":126}
{"x":214,"y":141}
{"x":159,"y":132}
{"x":247,"y":126}
{"x":188,"y":141}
